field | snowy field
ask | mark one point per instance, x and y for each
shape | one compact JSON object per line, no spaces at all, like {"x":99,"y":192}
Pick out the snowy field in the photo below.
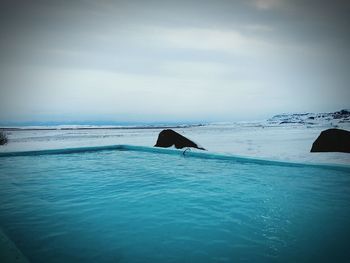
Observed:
{"x":276,"y":140}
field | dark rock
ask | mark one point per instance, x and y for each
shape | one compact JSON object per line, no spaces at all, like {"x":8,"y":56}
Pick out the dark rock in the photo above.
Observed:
{"x":3,"y":138}
{"x":332,"y":140}
{"x":168,"y":138}
{"x":341,"y":114}
{"x":292,"y":122}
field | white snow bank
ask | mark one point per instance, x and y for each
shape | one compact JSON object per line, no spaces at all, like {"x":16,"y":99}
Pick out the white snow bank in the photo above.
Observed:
{"x":274,"y":142}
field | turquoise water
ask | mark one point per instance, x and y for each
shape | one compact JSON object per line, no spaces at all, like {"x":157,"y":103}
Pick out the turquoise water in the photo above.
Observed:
{"x":132,"y":206}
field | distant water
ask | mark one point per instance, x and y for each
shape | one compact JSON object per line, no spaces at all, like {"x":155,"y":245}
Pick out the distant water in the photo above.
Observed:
{"x":128,"y":206}
{"x":55,"y":125}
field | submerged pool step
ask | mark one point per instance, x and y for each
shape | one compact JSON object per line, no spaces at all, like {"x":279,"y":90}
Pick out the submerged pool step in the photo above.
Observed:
{"x":183,"y":152}
{"x":9,"y":253}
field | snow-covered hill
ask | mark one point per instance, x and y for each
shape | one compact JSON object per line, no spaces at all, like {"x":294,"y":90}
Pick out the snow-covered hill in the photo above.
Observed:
{"x":333,"y":119}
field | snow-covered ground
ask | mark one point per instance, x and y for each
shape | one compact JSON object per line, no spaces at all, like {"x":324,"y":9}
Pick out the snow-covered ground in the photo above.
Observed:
{"x":283,"y":137}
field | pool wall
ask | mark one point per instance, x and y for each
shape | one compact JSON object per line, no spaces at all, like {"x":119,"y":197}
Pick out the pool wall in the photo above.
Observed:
{"x":188,"y":152}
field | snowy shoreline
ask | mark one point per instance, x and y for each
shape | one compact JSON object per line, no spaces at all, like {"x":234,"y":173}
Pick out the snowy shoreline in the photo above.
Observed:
{"x":284,"y":137}
{"x":283,"y":143}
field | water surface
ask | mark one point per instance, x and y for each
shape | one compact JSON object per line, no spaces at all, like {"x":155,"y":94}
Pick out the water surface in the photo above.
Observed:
{"x":130,"y":206}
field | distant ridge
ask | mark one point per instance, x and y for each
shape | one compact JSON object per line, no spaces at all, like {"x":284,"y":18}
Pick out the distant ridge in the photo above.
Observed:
{"x":342,"y":116}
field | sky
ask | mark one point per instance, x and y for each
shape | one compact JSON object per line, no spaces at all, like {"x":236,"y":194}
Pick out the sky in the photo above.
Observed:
{"x":159,"y":60}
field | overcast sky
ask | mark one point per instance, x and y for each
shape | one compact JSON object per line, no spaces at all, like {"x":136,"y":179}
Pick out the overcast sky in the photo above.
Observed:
{"x":177,"y":60}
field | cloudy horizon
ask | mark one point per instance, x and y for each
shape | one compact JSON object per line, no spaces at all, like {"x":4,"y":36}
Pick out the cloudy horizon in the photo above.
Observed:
{"x":150,"y":61}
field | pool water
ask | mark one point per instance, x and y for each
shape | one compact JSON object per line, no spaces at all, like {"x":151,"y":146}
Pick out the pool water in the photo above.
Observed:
{"x":132,"y":206}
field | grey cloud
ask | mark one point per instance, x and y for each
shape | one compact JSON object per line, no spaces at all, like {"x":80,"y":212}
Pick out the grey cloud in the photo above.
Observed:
{"x":307,"y":42}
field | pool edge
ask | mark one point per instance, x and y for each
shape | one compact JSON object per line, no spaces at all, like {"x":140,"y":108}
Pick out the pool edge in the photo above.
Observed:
{"x":188,"y":152}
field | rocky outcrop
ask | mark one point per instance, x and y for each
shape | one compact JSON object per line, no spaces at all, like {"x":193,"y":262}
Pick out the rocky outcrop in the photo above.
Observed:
{"x":3,"y":138}
{"x":333,"y":118}
{"x":168,"y":138}
{"x":332,"y":140}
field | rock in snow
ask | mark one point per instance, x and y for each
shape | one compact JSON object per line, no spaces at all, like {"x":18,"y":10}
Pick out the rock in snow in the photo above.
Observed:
{"x":332,"y":140}
{"x":168,"y":138}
